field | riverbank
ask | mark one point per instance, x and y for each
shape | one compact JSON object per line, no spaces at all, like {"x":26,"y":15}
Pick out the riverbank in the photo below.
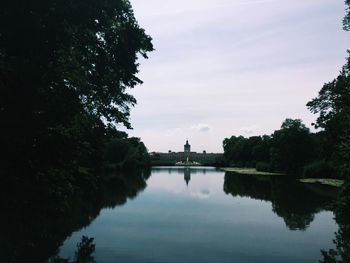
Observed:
{"x":252,"y":171}
{"x":248,"y":171}
{"x":324,"y":181}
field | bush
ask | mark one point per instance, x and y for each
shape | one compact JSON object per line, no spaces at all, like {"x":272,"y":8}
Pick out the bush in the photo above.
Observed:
{"x":318,"y":169}
{"x":125,"y":154}
{"x":262,"y":167}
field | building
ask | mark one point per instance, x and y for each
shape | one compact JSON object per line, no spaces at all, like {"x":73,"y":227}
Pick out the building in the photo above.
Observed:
{"x":171,"y":158}
{"x":187,"y":147}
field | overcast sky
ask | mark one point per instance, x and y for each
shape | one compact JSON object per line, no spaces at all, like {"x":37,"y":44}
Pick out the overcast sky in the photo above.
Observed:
{"x":232,"y":67}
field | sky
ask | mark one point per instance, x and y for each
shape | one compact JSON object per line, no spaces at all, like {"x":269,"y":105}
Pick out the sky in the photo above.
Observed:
{"x":232,"y":67}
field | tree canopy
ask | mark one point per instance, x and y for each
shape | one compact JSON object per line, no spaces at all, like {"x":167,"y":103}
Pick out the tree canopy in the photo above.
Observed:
{"x":292,"y":146}
{"x":333,"y":108}
{"x":84,"y":51}
{"x":346,"y":21}
{"x":288,"y":149}
{"x":65,"y":68}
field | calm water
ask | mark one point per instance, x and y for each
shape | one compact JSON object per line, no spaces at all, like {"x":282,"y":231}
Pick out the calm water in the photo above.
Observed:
{"x":203,"y":215}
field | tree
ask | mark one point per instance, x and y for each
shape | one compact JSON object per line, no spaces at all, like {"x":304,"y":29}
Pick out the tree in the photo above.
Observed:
{"x":126,"y":153}
{"x":346,"y":21}
{"x":333,"y":108}
{"x":338,"y":126}
{"x":65,"y":67}
{"x":83,"y":49}
{"x":292,"y":147}
{"x":333,"y":104}
{"x":246,"y":152}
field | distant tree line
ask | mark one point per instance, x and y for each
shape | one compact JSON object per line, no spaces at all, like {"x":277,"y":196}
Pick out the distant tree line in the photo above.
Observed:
{"x":291,"y":149}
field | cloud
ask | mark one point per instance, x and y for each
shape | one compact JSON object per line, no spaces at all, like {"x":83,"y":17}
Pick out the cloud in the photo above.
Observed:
{"x":201,"y":128}
{"x":202,"y":194}
{"x":249,"y":130}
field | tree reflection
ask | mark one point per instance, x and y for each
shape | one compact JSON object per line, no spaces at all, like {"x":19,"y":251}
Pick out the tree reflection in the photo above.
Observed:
{"x":33,"y":225}
{"x":83,"y":254}
{"x":294,"y":202}
{"x":341,"y":253}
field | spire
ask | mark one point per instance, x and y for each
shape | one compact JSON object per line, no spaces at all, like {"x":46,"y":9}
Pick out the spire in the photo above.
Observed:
{"x":187,"y":147}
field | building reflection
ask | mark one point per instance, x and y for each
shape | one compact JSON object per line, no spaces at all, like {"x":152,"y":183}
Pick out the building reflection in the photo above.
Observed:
{"x":186,"y":171}
{"x":187,"y":175}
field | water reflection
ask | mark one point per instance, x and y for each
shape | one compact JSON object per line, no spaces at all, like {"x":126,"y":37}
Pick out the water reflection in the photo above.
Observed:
{"x":33,"y":226}
{"x":84,"y":253}
{"x":182,"y":215}
{"x":295,"y":202}
{"x":185,"y":170}
{"x":182,"y":169}
{"x":341,"y":252}
{"x":173,"y":221}
{"x":187,"y":175}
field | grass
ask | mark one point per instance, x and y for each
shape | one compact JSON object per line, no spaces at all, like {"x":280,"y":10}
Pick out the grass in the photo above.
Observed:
{"x":324,"y":181}
{"x":248,"y":171}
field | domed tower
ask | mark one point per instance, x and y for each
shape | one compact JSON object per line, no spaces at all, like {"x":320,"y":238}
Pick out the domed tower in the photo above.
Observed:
{"x":187,"y":147}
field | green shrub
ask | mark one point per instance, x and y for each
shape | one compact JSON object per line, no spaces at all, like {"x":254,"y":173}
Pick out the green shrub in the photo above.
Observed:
{"x":318,"y":169}
{"x":262,"y":167}
{"x":125,"y":154}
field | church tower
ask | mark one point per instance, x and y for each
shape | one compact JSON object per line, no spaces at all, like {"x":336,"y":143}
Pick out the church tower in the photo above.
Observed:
{"x":187,"y":147}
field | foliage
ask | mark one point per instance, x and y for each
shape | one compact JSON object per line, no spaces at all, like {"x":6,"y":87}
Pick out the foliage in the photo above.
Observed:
{"x":84,"y":252}
{"x":240,"y":151}
{"x":286,"y":150}
{"x":262,"y":166}
{"x":333,"y":108}
{"x":63,"y":91}
{"x":65,"y":67}
{"x":343,"y":155}
{"x":346,"y":21}
{"x":126,"y":153}
{"x":86,"y":59}
{"x":341,"y":253}
{"x":291,"y":147}
{"x":333,"y":104}
{"x":318,"y":169}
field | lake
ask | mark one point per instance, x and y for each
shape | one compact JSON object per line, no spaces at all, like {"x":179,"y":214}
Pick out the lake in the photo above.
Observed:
{"x":202,"y":214}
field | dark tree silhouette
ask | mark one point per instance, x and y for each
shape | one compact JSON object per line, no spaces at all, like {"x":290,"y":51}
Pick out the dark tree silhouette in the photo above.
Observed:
{"x":288,"y":149}
{"x":65,"y":67}
{"x":292,"y":147}
{"x":346,"y":21}
{"x":333,"y":108}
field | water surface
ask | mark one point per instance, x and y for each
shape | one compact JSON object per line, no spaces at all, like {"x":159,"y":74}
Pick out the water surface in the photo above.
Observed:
{"x":204,"y":215}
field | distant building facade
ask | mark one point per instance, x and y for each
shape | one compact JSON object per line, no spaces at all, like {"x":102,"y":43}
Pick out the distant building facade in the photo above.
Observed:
{"x":171,"y":158}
